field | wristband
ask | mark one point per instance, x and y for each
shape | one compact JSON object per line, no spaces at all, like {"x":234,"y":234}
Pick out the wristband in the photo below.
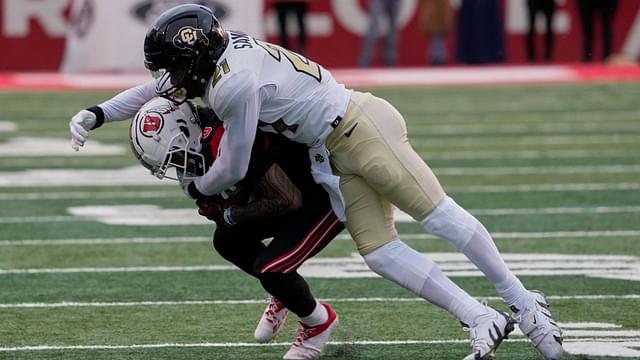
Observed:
{"x":194,"y":193}
{"x":99,"y":113}
{"x":227,"y":216}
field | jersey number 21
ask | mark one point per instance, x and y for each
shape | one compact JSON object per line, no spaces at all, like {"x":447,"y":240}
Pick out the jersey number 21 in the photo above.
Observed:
{"x":299,"y":62}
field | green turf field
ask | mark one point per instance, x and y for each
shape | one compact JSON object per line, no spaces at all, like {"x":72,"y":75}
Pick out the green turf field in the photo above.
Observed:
{"x":99,"y":260}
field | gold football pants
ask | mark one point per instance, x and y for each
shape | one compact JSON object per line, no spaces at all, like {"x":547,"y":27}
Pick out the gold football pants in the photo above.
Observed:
{"x":378,"y":168}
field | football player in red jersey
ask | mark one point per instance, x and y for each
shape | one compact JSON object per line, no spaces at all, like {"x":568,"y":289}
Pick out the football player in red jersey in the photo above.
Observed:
{"x":277,"y":199}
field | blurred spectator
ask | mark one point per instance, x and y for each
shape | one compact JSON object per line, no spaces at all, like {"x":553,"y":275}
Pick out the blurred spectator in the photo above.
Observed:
{"x":378,"y":9}
{"x":589,"y":9}
{"x":547,"y":9}
{"x":299,"y":9}
{"x":480,"y":32}
{"x":436,"y":21}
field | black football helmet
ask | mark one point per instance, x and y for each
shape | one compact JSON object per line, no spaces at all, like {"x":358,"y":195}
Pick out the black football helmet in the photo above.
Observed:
{"x":182,"y":47}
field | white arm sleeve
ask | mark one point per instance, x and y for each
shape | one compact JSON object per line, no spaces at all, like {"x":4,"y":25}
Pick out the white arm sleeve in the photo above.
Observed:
{"x":238,"y":105}
{"x":126,"y":104}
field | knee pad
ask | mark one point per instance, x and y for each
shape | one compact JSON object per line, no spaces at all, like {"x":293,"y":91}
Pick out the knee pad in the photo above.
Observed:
{"x":452,"y":223}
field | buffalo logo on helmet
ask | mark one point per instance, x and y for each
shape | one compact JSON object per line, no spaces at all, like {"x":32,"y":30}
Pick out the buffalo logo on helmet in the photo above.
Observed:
{"x":151,"y":124}
{"x":188,"y":36}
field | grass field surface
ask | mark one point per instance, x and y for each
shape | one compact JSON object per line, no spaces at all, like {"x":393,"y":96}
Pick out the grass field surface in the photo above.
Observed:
{"x":99,"y":260}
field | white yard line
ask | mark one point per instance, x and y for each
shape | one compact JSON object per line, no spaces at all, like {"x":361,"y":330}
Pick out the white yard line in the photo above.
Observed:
{"x":114,"y":241}
{"x":42,"y":219}
{"x":400,"y":217}
{"x":228,"y":345}
{"x":8,"y":126}
{"x":352,"y":266}
{"x":443,"y":171}
{"x":82,"y":195}
{"x":538,"y":235}
{"x":66,"y":304}
{"x":543,"y":188}
{"x":343,"y":236}
{"x":625,"y":186}
{"x":621,"y":340}
{"x":122,"y":269}
{"x":546,"y":170}
{"x":522,"y":140}
{"x":557,"y":210}
{"x":526,"y":154}
{"x":524,"y":128}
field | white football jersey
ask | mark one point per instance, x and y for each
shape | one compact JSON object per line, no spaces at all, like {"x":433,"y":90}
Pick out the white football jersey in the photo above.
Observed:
{"x":255,"y":85}
{"x":296,"y":97}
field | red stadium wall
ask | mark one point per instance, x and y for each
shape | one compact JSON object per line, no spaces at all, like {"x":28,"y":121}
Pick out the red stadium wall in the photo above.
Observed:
{"x":32,"y":35}
{"x":413,"y":44}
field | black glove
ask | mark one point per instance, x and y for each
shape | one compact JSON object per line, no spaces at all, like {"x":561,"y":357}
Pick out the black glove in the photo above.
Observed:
{"x":212,"y":209}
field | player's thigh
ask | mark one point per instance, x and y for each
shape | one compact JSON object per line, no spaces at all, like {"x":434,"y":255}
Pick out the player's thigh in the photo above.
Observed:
{"x":241,"y":245}
{"x":369,"y":217}
{"x":301,"y":236}
{"x":378,"y":150}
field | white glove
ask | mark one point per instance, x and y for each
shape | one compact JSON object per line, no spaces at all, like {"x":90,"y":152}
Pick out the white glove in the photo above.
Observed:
{"x":79,"y":127}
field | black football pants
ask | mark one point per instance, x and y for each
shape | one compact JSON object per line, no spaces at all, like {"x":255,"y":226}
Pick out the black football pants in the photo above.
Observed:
{"x":296,"y":237}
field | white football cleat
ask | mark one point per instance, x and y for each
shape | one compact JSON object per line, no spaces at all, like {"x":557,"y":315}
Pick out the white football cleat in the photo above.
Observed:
{"x":310,"y":341}
{"x":487,"y":333}
{"x":271,"y":321}
{"x":536,"y":322}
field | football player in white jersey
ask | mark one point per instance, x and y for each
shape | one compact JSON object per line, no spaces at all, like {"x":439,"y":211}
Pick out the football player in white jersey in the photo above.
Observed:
{"x":252,"y":84}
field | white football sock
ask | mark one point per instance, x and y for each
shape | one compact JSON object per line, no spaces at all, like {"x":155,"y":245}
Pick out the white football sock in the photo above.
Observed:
{"x":440,"y":290}
{"x":412,"y":270}
{"x":318,"y":316}
{"x":455,"y":224}
{"x":513,"y":293}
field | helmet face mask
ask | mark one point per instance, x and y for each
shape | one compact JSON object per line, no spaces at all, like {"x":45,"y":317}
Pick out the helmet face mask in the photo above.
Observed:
{"x":184,"y":42}
{"x":165,"y":138}
{"x":169,"y":88}
{"x":187,"y":163}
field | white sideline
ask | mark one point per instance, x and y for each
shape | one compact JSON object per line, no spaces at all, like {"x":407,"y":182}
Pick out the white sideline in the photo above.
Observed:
{"x":343,"y":236}
{"x":66,"y":304}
